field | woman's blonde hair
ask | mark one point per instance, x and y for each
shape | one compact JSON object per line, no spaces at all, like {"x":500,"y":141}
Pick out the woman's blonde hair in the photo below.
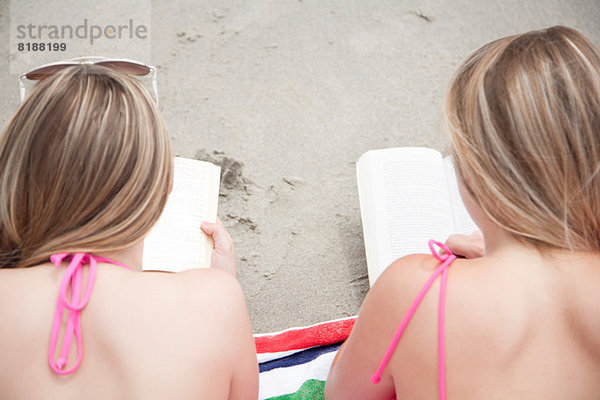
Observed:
{"x":85,"y":165}
{"x":523,"y":114}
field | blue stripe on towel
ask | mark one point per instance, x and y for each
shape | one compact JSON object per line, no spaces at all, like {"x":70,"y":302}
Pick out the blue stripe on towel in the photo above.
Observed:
{"x":301,"y":357}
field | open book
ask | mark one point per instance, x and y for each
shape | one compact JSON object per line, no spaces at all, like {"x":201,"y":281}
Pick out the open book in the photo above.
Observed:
{"x":176,"y":242}
{"x":408,"y":195}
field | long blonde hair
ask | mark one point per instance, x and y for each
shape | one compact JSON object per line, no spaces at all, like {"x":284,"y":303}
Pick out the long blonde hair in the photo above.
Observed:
{"x":85,"y":165}
{"x":523,"y":114}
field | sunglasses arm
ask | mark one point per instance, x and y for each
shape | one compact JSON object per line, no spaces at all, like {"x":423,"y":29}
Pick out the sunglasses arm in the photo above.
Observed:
{"x":23,"y":78}
{"x":154,"y":84}
{"x":22,"y":87}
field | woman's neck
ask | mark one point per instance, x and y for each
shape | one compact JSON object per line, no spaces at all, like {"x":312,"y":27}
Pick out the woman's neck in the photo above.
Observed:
{"x":497,"y":239}
{"x":130,"y":256}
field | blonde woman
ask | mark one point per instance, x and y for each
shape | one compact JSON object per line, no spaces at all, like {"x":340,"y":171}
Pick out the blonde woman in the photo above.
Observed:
{"x":85,"y":171}
{"x":523,"y":321}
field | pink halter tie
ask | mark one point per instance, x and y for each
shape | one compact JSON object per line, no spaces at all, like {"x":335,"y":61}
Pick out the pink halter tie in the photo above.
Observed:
{"x":74,"y":278}
{"x":442,"y":270}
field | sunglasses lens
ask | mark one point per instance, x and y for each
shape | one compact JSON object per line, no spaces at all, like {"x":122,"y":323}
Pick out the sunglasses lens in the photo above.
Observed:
{"x":126,"y":67}
{"x":43,"y":72}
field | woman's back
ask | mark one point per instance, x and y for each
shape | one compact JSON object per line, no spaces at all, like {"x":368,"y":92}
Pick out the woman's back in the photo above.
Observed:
{"x":517,"y":325}
{"x":145,"y":335}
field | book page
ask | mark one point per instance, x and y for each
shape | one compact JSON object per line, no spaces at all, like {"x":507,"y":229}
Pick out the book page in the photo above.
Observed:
{"x":176,"y":242}
{"x":462,"y":220}
{"x":409,"y":204}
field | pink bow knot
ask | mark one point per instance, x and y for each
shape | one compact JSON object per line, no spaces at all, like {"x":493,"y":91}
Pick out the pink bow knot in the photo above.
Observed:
{"x":73,"y":280}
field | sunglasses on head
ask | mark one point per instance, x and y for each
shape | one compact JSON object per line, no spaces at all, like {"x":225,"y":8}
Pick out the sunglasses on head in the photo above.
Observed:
{"x":128,"y":67}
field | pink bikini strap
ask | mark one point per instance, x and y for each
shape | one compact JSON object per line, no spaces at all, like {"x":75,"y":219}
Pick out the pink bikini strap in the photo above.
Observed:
{"x":73,"y":277}
{"x":447,"y":258}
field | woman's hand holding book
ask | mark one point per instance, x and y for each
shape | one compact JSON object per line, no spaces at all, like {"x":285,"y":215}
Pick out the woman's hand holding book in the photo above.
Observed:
{"x":223,"y":255}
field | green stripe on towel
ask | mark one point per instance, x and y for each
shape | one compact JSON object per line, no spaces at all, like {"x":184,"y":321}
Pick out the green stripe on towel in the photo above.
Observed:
{"x":310,"y":390}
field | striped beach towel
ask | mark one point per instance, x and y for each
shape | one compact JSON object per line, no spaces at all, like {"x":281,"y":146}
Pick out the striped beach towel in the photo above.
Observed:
{"x":294,"y":363}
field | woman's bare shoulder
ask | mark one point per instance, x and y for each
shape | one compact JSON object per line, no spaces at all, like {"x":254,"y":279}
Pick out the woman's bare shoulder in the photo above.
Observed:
{"x":394,"y":291}
{"x":211,"y":281}
{"x":399,"y":285}
{"x":205,"y":294}
{"x":412,"y":272}
{"x":471,"y":282}
{"x":196,"y":314}
{"x":476,"y":298}
{"x":405,"y":276}
{"x":216,"y":292}
{"x":380,"y":314}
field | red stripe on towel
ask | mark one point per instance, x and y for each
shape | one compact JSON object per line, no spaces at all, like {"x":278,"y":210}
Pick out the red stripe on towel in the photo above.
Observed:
{"x":302,"y":338}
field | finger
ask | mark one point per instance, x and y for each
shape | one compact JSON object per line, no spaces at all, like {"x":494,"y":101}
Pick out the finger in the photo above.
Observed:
{"x":472,"y":250}
{"x":219,"y":234}
{"x":464,"y":245}
{"x":456,"y":244}
{"x":208,"y":227}
{"x":477,"y":234}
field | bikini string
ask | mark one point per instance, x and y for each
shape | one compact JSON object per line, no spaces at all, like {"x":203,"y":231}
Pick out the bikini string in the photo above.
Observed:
{"x":72,"y":279}
{"x":446,"y":259}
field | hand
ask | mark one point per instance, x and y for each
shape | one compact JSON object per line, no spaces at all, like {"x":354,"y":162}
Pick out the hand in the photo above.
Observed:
{"x":223,"y":255}
{"x":467,"y":246}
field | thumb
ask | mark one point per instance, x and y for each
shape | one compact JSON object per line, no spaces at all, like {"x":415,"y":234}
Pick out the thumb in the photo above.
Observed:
{"x":208,"y":227}
{"x":219,"y":234}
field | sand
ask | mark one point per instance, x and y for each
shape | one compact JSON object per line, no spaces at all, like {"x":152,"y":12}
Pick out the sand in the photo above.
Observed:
{"x":287,"y":95}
